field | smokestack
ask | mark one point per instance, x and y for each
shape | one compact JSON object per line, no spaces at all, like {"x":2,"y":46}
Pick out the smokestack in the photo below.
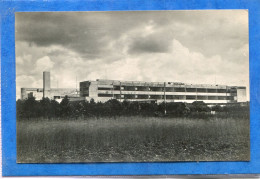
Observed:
{"x":46,"y":84}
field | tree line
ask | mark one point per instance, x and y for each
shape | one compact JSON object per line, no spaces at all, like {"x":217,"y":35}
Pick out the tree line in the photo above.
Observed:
{"x":47,"y":108}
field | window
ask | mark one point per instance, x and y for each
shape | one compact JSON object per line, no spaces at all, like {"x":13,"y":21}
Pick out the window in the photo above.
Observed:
{"x":222,"y":90}
{"x":105,"y":95}
{"x":190,"y":97}
{"x":191,"y":89}
{"x":101,"y":88}
{"x":179,"y":89}
{"x":201,"y":90}
{"x":212,"y":90}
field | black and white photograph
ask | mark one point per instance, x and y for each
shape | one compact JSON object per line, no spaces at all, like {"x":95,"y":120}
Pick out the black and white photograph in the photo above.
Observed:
{"x":132,"y":86}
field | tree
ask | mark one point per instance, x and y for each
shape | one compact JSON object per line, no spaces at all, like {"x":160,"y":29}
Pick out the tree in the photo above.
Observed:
{"x":174,"y":108}
{"x":31,"y":108}
{"x":20,"y":108}
{"x":65,"y":107}
{"x":113,"y":107}
{"x":199,"y":106}
{"x":217,"y":108}
{"x":45,"y":107}
{"x":54,"y":109}
{"x":148,"y":108}
{"x":92,"y":101}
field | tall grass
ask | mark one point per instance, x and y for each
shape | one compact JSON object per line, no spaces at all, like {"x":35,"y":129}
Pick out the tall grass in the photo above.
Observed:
{"x":132,"y":139}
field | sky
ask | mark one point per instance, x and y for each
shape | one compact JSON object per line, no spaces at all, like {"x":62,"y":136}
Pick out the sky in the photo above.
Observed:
{"x":198,"y":47}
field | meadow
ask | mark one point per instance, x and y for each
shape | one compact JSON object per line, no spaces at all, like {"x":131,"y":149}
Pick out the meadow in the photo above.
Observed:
{"x":132,"y":139}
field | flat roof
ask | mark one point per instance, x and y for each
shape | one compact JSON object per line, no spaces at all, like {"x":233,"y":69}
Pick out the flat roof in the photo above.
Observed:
{"x":161,"y":84}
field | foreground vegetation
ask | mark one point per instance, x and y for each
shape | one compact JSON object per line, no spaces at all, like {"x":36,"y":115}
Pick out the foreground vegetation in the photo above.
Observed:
{"x":129,"y":132}
{"x":132,"y":139}
{"x":46,"y":108}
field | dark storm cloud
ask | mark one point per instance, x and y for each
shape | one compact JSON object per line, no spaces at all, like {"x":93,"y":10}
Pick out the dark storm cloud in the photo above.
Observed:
{"x":90,"y":33}
{"x":72,"y":31}
{"x":86,"y":33}
{"x":150,"y":44}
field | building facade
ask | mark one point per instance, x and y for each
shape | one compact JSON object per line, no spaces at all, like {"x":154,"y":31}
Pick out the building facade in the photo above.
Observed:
{"x":103,"y":90}
{"x":48,"y":92}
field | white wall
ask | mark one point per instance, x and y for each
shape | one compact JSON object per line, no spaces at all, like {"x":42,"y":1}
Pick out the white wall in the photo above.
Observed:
{"x":241,"y":95}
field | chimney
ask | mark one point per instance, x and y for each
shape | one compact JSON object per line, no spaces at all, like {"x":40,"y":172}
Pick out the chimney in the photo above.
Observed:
{"x":46,"y":84}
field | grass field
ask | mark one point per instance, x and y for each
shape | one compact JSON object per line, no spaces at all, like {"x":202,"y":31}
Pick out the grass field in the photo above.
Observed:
{"x":132,"y":139}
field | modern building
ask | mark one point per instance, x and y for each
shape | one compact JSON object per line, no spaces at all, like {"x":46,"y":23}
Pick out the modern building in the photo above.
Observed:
{"x":103,"y":90}
{"x":52,"y":93}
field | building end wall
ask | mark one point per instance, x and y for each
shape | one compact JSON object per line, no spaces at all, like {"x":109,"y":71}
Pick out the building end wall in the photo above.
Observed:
{"x":241,"y":95}
{"x":37,"y":93}
{"x":93,"y":90}
{"x":24,"y":95}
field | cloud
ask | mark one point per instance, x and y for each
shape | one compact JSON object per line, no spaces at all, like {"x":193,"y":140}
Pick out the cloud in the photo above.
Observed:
{"x":44,"y":64}
{"x":180,"y":64}
{"x":154,"y":43}
{"x":24,"y":59}
{"x":90,"y":33}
